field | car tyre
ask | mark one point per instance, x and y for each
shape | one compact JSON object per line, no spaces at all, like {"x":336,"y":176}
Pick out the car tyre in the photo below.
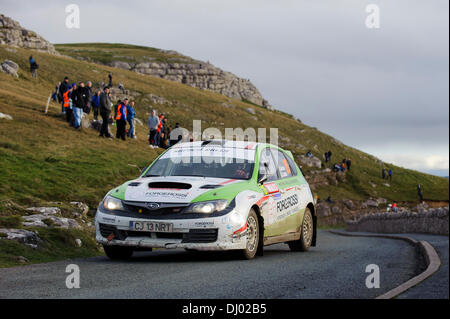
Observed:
{"x":118,"y":252}
{"x":306,"y":234}
{"x":252,"y":236}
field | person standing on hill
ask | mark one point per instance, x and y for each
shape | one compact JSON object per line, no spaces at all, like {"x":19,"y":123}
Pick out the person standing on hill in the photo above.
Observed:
{"x":420,"y":192}
{"x":33,"y":67}
{"x":349,"y":164}
{"x":390,"y":173}
{"x":383,"y":173}
{"x":110,"y":84}
{"x":80,"y":99}
{"x":165,"y":134}
{"x":95,"y":102}
{"x":153,"y":124}
{"x":121,"y":119}
{"x":105,"y":112}
{"x":87,"y":109}
{"x":67,"y":102}
{"x":63,"y":88}
{"x":131,"y":114}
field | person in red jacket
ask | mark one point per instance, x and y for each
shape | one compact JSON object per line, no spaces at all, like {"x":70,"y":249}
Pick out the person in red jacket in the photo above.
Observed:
{"x":121,"y":119}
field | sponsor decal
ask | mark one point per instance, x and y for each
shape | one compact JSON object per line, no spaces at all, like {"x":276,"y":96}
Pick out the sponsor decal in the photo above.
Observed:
{"x":271,"y":188}
{"x":287,"y":203}
{"x":204,"y":224}
{"x":166,"y":194}
{"x":228,"y":181}
{"x":277,"y":196}
{"x":108,"y":219}
{"x":262,"y":200}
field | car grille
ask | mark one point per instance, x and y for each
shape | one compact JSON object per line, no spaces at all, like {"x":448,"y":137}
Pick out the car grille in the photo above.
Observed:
{"x":193,"y":236}
{"x":107,"y":230}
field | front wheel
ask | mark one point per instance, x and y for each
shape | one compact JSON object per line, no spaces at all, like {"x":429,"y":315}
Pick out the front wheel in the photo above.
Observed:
{"x":306,"y":234}
{"x":252,"y":236}
{"x":118,"y":252}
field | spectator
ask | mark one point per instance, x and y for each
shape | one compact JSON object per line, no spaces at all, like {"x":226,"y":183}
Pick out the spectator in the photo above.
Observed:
{"x":395,"y":208}
{"x":349,"y":164}
{"x":121,"y":119}
{"x":158,"y":130}
{"x":67,"y":103}
{"x":153,"y":124}
{"x":420,"y":192}
{"x":165,"y":134}
{"x":390,"y":174}
{"x":115,"y":108}
{"x":327,"y":156}
{"x":383,"y":173}
{"x":105,"y":112}
{"x":55,"y":96}
{"x":33,"y":67}
{"x":95,"y":102}
{"x":80,"y":99}
{"x":131,"y":114}
{"x":87,"y":109}
{"x":110,"y":83}
{"x":63,"y":88}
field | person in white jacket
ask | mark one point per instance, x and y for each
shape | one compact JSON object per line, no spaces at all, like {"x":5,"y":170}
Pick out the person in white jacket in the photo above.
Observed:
{"x":153,"y":123}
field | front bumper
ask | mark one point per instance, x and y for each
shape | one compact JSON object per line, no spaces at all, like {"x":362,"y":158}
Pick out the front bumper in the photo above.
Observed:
{"x":215,"y":233}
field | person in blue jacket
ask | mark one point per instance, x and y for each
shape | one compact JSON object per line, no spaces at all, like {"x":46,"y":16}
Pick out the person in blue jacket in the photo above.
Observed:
{"x":33,"y":66}
{"x":96,"y":103}
{"x":131,"y":114}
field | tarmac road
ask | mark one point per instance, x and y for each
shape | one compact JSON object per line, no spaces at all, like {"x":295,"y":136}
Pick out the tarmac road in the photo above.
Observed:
{"x":333,"y":269}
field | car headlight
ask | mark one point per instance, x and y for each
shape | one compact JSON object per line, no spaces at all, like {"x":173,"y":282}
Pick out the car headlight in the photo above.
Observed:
{"x":207,"y":207}
{"x":112,"y":203}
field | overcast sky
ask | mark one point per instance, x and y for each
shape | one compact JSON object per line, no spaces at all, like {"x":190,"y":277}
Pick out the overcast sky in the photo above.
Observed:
{"x":384,"y":91}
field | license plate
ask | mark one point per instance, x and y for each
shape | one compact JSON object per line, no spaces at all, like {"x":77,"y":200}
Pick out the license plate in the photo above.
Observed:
{"x":152,"y":227}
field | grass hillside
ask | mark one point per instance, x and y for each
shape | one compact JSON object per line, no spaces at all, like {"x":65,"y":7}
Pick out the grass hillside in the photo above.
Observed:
{"x":44,"y":160}
{"x":106,"y":53}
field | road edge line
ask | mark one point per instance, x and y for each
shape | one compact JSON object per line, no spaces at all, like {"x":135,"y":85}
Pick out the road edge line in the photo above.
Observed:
{"x":428,"y":251}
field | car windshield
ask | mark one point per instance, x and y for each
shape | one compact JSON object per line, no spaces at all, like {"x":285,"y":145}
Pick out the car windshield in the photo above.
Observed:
{"x":205,"y":163}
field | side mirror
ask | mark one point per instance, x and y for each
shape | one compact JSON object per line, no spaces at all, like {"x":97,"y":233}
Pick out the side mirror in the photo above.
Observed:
{"x":262,"y":179}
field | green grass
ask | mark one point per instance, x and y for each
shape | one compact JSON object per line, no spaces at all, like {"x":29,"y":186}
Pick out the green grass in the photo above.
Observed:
{"x":56,"y":244}
{"x":43,"y":160}
{"x":106,"y":53}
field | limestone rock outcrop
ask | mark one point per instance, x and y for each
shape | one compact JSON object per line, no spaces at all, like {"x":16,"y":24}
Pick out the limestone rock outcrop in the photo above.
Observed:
{"x":12,"y":34}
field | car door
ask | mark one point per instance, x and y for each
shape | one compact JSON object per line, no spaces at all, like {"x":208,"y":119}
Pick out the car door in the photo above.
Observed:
{"x":288,"y":207}
{"x":270,"y":189}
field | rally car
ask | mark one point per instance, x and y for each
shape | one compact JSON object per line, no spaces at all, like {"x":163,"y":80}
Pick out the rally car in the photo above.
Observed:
{"x":211,"y":195}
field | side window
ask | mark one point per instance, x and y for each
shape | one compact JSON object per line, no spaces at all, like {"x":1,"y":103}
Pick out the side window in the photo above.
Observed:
{"x":292,"y":166}
{"x":282,"y":164}
{"x":267,"y":166}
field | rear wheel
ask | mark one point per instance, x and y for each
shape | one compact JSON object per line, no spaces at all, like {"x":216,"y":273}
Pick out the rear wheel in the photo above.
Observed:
{"x":118,"y":252}
{"x":306,"y":234}
{"x":252,"y":236}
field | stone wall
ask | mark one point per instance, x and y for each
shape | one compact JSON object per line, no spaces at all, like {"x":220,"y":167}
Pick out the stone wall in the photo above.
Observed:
{"x":431,"y":221}
{"x":11,"y":33}
{"x":200,"y":75}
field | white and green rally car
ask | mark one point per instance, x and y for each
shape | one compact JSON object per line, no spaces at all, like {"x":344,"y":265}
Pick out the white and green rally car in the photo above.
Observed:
{"x":211,"y":195}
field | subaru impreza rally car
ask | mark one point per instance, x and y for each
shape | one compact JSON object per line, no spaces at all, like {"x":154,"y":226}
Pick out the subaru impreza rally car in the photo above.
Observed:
{"x":210,"y":195}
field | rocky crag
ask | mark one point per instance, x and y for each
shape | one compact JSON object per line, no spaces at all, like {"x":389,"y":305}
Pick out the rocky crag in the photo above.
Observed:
{"x":201,"y":75}
{"x":12,"y":34}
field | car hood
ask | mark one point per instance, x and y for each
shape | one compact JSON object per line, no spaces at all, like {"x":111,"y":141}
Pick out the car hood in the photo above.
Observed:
{"x":172,"y":189}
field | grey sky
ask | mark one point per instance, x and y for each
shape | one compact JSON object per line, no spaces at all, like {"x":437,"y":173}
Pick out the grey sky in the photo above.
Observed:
{"x":384,"y":90}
